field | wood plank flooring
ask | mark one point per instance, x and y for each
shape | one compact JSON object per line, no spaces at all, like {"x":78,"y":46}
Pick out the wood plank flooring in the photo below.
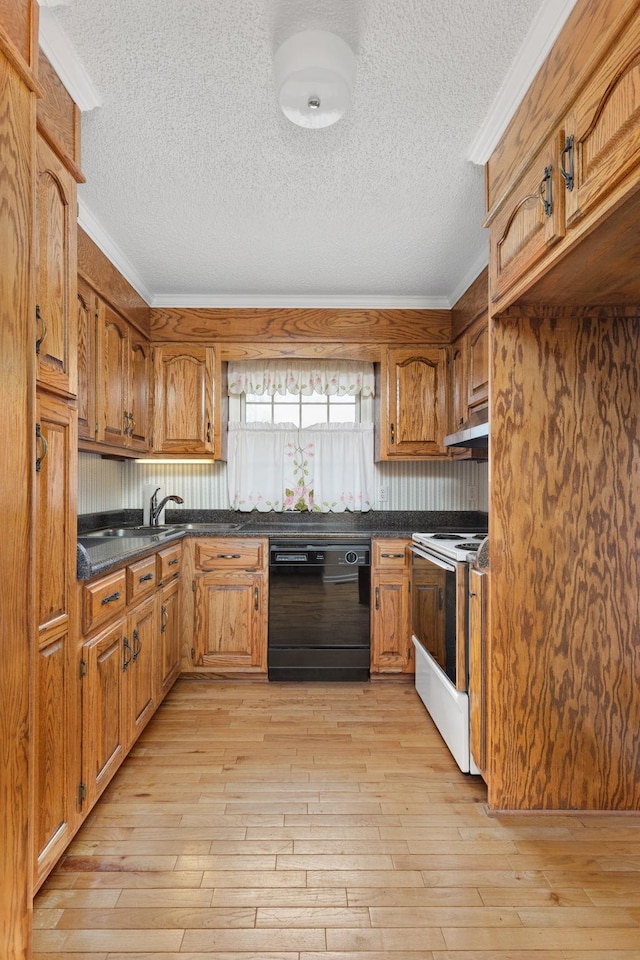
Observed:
{"x":258,"y":821}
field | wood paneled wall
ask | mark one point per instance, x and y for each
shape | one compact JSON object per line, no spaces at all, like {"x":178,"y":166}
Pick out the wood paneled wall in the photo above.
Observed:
{"x":319,"y":325}
{"x":565,"y":584}
{"x":108,"y":282}
{"x":473,"y":304}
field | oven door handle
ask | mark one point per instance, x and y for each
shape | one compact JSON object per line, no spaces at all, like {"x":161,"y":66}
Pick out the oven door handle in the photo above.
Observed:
{"x":437,"y":561}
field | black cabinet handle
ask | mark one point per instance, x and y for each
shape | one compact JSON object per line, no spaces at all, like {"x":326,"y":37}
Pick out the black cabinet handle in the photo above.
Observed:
{"x":228,"y":556}
{"x":110,"y":598}
{"x":147,"y":576}
{"x":137,"y":645}
{"x":392,"y":556}
{"x":126,"y":647}
{"x":172,"y":563}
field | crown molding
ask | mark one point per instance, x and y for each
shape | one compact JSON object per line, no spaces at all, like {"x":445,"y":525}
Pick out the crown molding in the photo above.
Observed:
{"x":111,"y":250}
{"x":63,"y":58}
{"x":257,"y":301}
{"x":474,"y":271}
{"x":542,"y":34}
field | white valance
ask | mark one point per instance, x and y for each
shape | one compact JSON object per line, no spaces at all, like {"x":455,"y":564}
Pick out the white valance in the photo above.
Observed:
{"x":330,"y":378}
{"x":326,"y":468}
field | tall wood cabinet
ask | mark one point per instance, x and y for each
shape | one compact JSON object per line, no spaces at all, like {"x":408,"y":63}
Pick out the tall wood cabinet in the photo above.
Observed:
{"x":412,"y":403}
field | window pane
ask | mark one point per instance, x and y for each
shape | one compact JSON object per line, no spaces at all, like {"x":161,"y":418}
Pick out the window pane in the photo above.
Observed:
{"x":283,"y":413}
{"x":314,"y":413}
{"x":256,"y":398}
{"x":288,"y":398}
{"x":342,"y":415}
{"x":258,"y":413}
{"x":345,"y":399}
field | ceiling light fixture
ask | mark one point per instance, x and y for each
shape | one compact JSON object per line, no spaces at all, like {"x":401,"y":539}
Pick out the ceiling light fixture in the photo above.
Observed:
{"x":314,"y":73}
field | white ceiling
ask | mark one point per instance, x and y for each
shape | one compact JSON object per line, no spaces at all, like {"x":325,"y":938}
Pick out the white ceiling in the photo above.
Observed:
{"x":204,"y":194}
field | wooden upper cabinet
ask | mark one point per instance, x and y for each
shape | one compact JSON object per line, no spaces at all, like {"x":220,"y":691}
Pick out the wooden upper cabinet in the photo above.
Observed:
{"x":412,"y":404}
{"x":602,"y":146}
{"x":183,"y":421}
{"x":55,"y":321}
{"x":86,"y":337}
{"x":459,"y":388}
{"x":113,"y":359}
{"x":114,"y":377}
{"x":530,"y":222}
{"x":478,"y":365}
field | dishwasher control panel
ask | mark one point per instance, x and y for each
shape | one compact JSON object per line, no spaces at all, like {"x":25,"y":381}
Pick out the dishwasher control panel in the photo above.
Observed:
{"x":356,"y":554}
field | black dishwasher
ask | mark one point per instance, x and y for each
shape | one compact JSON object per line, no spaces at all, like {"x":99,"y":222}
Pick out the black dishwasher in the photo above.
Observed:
{"x":319,"y":610}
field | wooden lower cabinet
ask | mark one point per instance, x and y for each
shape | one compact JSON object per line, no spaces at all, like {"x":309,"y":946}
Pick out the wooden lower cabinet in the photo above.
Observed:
{"x":168,"y":666}
{"x":140,"y":694}
{"x":391,"y":647}
{"x":230,"y":605}
{"x":478,"y":668}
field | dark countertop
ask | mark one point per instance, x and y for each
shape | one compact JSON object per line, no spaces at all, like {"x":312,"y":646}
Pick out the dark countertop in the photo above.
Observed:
{"x":99,"y":556}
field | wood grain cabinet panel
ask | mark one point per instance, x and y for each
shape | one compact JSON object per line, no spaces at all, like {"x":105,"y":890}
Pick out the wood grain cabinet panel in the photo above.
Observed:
{"x":111,"y":381}
{"x":530,"y":222}
{"x":104,"y":599}
{"x":57,"y":692}
{"x":138,"y":427}
{"x":391,"y":647}
{"x":87,"y":314}
{"x":169,"y":563}
{"x":459,"y":384}
{"x":602,"y":146}
{"x":478,"y":366}
{"x":479,"y":661}
{"x":55,"y":322}
{"x":184,"y":419}
{"x":105,"y":736}
{"x":168,"y":663}
{"x":139,"y":702}
{"x":412,"y":404}
{"x":142,"y":579}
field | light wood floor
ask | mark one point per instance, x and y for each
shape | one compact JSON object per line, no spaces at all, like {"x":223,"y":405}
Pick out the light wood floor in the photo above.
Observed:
{"x":327,"y":822}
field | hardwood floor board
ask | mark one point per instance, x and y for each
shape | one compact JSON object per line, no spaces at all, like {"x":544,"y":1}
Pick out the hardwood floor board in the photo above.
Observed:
{"x":242,"y":862}
{"x":610,"y":955}
{"x":307,"y":832}
{"x":414,"y":897}
{"x":166,"y":897}
{"x":444,"y":916}
{"x":261,"y":941}
{"x":533,"y":831}
{"x":364,"y":878}
{"x":581,"y":917}
{"x":542,"y":938}
{"x":77,"y":898}
{"x":158,"y":879}
{"x":369,"y":955}
{"x":255,"y":878}
{"x":154,"y":918}
{"x":290,"y":917}
{"x":391,"y":940}
{"x":267,"y":806}
{"x":119,"y":864}
{"x":219,"y":955}
{"x":626,"y":848}
{"x":244,"y":847}
{"x":348,"y":807}
{"x":280,"y":897}
{"x":618,"y":893}
{"x":335,"y":862}
{"x":482,"y":848}
{"x":502,"y":955}
{"x":428,"y":834}
{"x":190,"y":833}
{"x":341,"y":820}
{"x":45,"y":919}
{"x":443,"y":862}
{"x":483,"y":878}
{"x":136,"y":848}
{"x":531,"y":896}
{"x":75,"y":956}
{"x":271,"y":791}
{"x":155,"y":942}
{"x":326,"y":846}
{"x":590,"y":878}
{"x":111,"y":819}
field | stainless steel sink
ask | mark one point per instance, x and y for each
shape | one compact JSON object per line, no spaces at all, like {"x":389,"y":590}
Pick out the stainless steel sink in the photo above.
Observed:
{"x":110,"y":532}
{"x":208,"y":526}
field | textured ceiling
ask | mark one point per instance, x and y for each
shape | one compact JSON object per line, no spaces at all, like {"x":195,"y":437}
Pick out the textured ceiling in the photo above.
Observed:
{"x":207,"y":191}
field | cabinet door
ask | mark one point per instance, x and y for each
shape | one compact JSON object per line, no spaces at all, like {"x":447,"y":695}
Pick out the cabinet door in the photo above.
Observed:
{"x":478,"y":366}
{"x":55,"y":273}
{"x":459,"y":388}
{"x":169,"y":646}
{"x":602,"y":146}
{"x":138,"y":401}
{"x":530,"y":222}
{"x":56,"y":699}
{"x":111,"y":385}
{"x":391,"y":647}
{"x":230,"y":622}
{"x":104,"y":735}
{"x":413,"y":416}
{"x":183,"y":402}
{"x":478,"y":666}
{"x":141,"y":635}
{"x":86,"y":334}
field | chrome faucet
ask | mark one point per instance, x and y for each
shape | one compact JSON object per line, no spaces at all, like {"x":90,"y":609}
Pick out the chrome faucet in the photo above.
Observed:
{"x":157,"y":508}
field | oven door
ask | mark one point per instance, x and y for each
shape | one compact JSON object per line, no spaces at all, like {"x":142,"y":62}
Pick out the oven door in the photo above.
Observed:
{"x":434,"y":617}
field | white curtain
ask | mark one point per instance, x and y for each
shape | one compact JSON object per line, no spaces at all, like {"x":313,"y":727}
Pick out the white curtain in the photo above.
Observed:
{"x":325,"y":468}
{"x":330,"y":378}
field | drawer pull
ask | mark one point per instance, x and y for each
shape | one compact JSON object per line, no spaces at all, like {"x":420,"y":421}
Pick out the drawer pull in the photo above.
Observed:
{"x":110,"y":598}
{"x":172,"y":563}
{"x":256,"y":598}
{"x":163,"y":618}
{"x":126,"y":649}
{"x":392,"y":556}
{"x":137,"y":645}
{"x":377,"y":598}
{"x":147,"y":576}
{"x":228,"y":556}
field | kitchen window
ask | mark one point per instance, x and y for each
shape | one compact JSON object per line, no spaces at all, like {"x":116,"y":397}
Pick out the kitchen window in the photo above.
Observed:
{"x":301,"y":436}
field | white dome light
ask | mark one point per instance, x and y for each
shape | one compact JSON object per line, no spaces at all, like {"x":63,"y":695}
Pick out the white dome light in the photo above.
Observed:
{"x":314,"y":74}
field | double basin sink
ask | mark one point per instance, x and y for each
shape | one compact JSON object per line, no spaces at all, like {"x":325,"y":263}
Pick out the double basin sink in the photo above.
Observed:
{"x":156,"y":532}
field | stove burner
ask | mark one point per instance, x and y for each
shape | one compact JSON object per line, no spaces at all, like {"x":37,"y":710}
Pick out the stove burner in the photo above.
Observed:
{"x":468,"y":546}
{"x":447,"y":536}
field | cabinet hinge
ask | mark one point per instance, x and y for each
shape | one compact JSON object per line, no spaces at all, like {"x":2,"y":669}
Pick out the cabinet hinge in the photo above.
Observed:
{"x":83,"y":668}
{"x":82,"y":793}
{"x":193,"y":585}
{"x":193,"y":653}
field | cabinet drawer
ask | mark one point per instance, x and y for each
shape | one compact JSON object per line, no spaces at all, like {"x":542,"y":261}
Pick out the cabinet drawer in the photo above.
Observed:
{"x":390,"y":554}
{"x":141,"y":579}
{"x":226,"y":553}
{"x":169,"y":563}
{"x":104,"y":599}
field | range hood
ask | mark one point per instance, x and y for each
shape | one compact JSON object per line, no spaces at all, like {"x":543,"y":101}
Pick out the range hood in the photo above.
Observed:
{"x":474,"y":434}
